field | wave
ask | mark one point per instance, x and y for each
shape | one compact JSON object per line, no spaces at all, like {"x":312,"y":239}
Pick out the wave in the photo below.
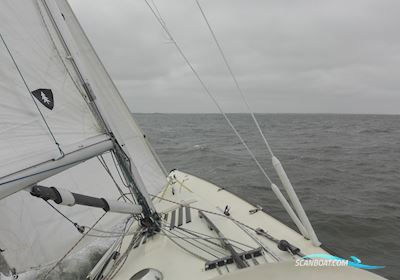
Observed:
{"x":75,"y":266}
{"x":200,"y":147}
{"x":375,"y":130}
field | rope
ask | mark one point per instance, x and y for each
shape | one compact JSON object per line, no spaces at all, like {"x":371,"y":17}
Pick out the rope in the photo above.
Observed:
{"x":239,"y":89}
{"x":104,"y":164}
{"x":117,"y":168}
{"x":33,"y":99}
{"x":73,"y":247}
{"x":81,"y":229}
{"x":197,"y":238}
{"x":221,"y":215}
{"x":272,"y":254}
{"x":304,"y":220}
{"x":122,"y":259}
{"x":191,"y":243}
{"x":201,"y":238}
{"x":183,"y":248}
{"x":207,"y":91}
{"x":218,"y":238}
{"x":118,"y":247}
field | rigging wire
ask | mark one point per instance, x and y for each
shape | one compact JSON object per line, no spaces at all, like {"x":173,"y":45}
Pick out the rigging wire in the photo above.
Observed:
{"x":207,"y":239}
{"x":266,"y":249}
{"x":183,"y":248}
{"x":30,"y":93}
{"x":122,"y":178}
{"x":105,"y":166}
{"x":189,"y":242}
{"x":194,"y":233}
{"x":268,"y":236}
{"x":81,"y":229}
{"x":73,"y":247}
{"x":281,"y":173}
{"x":123,"y":257}
{"x":206,"y":236}
{"x":118,"y":247}
{"x":117,"y":167}
{"x":207,"y":91}
{"x":239,"y":89}
{"x":197,"y":238}
{"x":138,"y":234}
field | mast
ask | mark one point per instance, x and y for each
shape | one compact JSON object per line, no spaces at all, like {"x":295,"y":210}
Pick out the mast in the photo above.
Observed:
{"x":146,"y":173}
{"x":73,"y":55}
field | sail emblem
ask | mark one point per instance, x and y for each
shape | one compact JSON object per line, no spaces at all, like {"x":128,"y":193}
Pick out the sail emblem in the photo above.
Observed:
{"x":45,"y":96}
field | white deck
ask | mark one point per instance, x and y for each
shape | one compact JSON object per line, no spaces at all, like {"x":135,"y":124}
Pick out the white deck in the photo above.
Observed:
{"x":175,"y":262}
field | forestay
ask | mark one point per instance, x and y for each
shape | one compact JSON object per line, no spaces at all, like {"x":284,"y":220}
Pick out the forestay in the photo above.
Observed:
{"x":54,"y":119}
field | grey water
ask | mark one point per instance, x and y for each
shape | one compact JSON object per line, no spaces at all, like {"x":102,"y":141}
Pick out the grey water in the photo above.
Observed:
{"x":345,"y":169}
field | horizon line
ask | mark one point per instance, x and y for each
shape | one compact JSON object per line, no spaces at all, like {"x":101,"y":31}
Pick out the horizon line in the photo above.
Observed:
{"x":264,"y":113}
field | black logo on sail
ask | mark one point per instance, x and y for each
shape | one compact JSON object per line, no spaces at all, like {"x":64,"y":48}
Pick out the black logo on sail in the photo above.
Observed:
{"x":45,"y":96}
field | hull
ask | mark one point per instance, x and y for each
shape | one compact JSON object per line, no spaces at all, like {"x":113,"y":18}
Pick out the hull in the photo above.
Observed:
{"x":198,"y":241}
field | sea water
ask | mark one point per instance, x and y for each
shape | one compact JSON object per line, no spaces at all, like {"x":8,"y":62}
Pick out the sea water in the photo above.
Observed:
{"x":345,"y":170}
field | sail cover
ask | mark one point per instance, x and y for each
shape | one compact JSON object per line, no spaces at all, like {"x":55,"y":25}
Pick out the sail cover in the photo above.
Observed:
{"x":44,"y":103}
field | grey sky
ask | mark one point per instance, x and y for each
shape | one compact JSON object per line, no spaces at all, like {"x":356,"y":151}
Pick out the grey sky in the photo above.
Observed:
{"x":311,"y":56}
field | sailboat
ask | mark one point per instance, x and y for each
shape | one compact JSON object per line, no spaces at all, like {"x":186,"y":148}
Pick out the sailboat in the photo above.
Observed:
{"x":75,"y":167}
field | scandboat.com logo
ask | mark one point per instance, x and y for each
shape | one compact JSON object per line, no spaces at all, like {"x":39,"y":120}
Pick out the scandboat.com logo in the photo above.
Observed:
{"x":329,"y":260}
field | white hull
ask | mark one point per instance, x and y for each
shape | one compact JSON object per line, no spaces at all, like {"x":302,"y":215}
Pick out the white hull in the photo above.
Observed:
{"x":176,"y":258}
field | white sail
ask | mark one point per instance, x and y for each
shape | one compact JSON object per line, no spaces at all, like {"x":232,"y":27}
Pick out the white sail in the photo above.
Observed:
{"x":33,"y":57}
{"x":25,"y":139}
{"x":33,"y":235}
{"x":147,"y":170}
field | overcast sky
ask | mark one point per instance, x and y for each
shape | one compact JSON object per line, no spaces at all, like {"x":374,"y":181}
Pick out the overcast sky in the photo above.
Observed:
{"x":311,"y":56}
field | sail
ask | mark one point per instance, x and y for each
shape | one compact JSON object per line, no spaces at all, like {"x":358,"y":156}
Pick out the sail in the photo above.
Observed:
{"x":44,"y":116}
{"x":33,"y":235}
{"x":49,"y":71}
{"x":147,"y":170}
{"x":42,"y":110}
